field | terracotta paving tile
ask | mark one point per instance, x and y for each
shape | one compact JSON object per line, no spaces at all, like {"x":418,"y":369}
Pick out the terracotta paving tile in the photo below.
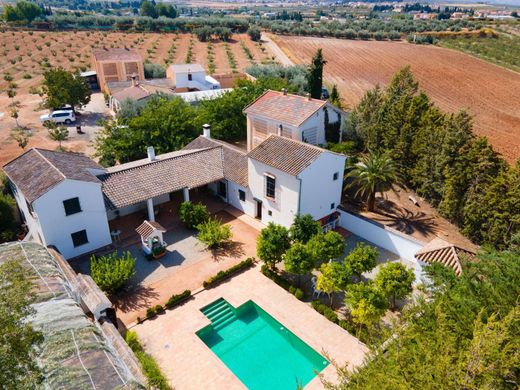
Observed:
{"x":189,"y":364}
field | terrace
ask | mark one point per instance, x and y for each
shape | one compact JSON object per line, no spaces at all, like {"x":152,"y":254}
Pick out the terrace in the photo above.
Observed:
{"x":187,"y":262}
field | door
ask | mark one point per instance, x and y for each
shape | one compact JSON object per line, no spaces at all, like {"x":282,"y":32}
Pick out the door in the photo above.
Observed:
{"x":222,"y":189}
{"x":258,"y":214}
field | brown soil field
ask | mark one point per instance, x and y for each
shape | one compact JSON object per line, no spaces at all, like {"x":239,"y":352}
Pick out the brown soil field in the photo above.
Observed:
{"x":24,"y":52}
{"x":452,"y":79}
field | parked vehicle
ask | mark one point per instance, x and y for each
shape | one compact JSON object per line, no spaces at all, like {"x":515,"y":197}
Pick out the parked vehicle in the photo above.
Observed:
{"x":59,"y":116}
{"x":324,"y":93}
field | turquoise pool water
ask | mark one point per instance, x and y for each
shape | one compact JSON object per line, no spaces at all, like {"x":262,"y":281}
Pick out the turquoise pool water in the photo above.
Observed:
{"x":259,"y":350}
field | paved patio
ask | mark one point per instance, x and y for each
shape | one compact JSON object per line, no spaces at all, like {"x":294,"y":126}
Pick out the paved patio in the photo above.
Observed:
{"x":189,"y":364}
{"x":185,"y":266}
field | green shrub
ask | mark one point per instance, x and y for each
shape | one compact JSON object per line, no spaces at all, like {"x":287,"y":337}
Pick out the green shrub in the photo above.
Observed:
{"x":111,"y":272}
{"x":325,"y":311}
{"x":176,"y":299}
{"x":213,"y":233}
{"x":192,"y":214}
{"x":282,"y":282}
{"x":299,"y":294}
{"x":159,"y":309}
{"x":221,"y":275}
{"x":150,"y":312}
{"x":151,"y":370}
{"x":8,"y":223}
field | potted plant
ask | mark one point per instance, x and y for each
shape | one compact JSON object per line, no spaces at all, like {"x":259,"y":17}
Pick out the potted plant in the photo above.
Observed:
{"x":158,"y":248}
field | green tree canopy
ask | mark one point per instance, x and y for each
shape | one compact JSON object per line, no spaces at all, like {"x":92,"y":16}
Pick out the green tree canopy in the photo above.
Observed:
{"x":374,"y":173}
{"x":366,"y":303}
{"x":466,"y":335}
{"x":111,"y":272}
{"x":327,"y":281}
{"x":303,"y":228}
{"x":272,"y":243}
{"x":395,"y":281}
{"x":8,"y":223}
{"x":22,"y":11}
{"x":299,"y":260}
{"x":325,"y":247}
{"x":62,"y":87}
{"x":363,"y":258}
{"x":315,"y":75}
{"x":213,"y":233}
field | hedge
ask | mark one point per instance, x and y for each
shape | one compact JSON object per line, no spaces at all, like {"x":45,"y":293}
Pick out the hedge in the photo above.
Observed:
{"x":282,"y":282}
{"x":151,"y":370}
{"x":221,"y":275}
{"x":170,"y":304}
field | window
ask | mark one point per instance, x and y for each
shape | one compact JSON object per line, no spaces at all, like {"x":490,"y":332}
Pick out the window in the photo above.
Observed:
{"x":335,"y":176}
{"x":72,"y":206}
{"x":332,"y":205}
{"x":270,"y":213}
{"x":222,"y":189}
{"x":242,"y":195}
{"x":79,"y":238}
{"x":190,"y":77}
{"x":270,"y":184}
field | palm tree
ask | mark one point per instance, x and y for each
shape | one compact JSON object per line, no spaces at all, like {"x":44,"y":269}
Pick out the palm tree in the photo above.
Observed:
{"x":374,"y":173}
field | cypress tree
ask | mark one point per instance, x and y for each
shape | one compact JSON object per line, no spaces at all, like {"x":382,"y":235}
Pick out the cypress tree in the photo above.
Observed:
{"x":315,"y":75}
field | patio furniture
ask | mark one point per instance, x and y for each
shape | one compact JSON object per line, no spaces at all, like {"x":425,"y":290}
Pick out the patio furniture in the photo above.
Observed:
{"x":152,"y":243}
{"x":315,"y":292}
{"x":116,"y":235}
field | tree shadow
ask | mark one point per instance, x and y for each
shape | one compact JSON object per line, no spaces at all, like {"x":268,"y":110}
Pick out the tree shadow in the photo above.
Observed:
{"x":404,"y":220}
{"x":137,"y":298}
{"x":230,"y":249}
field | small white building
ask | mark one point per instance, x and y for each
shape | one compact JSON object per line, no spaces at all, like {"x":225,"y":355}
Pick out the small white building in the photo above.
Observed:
{"x":297,"y":117}
{"x":190,"y":77}
{"x":60,"y":199}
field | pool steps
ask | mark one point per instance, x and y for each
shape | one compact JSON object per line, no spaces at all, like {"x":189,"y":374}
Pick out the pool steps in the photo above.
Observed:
{"x":220,"y":313}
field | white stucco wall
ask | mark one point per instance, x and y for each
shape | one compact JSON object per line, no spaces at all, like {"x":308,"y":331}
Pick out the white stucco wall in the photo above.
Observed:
{"x":57,"y":227}
{"x":30,"y":218}
{"x":399,"y":243}
{"x":285,"y":207}
{"x":247,"y":206}
{"x":319,"y":189}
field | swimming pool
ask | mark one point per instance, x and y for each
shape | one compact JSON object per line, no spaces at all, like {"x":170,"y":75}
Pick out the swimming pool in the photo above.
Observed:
{"x":259,"y":350}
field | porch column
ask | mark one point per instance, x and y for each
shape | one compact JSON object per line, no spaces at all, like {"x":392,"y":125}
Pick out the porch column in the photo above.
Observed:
{"x":151,"y":214}
{"x":186,"y":194}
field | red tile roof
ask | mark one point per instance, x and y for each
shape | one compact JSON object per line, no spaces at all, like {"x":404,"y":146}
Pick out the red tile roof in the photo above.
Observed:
{"x":116,"y":54}
{"x":448,"y":254}
{"x":287,"y":155}
{"x":287,"y":109}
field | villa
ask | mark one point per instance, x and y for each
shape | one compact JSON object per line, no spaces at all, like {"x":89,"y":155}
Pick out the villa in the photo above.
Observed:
{"x":67,"y":200}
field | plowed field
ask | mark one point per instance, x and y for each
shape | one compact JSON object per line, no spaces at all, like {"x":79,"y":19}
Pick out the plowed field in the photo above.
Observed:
{"x":453,"y":80}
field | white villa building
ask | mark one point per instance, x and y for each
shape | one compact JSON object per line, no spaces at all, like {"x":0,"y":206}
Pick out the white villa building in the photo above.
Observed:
{"x":297,"y":117}
{"x":67,"y":200}
{"x":190,"y":77}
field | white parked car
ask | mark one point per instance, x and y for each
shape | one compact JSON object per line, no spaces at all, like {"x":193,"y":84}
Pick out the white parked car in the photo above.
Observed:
{"x":59,"y":116}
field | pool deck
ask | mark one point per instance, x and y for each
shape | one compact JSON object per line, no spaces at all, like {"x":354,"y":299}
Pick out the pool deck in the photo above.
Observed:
{"x":189,"y":364}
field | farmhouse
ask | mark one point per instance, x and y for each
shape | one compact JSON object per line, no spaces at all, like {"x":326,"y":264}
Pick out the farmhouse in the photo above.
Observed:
{"x":292,"y":116}
{"x":116,"y":64}
{"x":67,"y":200}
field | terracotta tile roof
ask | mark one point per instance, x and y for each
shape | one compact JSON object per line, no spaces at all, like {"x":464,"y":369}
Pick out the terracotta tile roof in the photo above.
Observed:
{"x":38,"y":170}
{"x":441,"y":251}
{"x":116,"y":54}
{"x":235,"y":159}
{"x":133,"y":92}
{"x":147,"y":228}
{"x":287,"y":155}
{"x":289,"y":109}
{"x":138,"y":181}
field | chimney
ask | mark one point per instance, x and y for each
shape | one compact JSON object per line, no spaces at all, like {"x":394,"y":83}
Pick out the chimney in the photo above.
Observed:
{"x":308,"y":96}
{"x":134,"y":77}
{"x":280,"y":129}
{"x":206,"y":131}
{"x":284,"y":91}
{"x":151,"y":153}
